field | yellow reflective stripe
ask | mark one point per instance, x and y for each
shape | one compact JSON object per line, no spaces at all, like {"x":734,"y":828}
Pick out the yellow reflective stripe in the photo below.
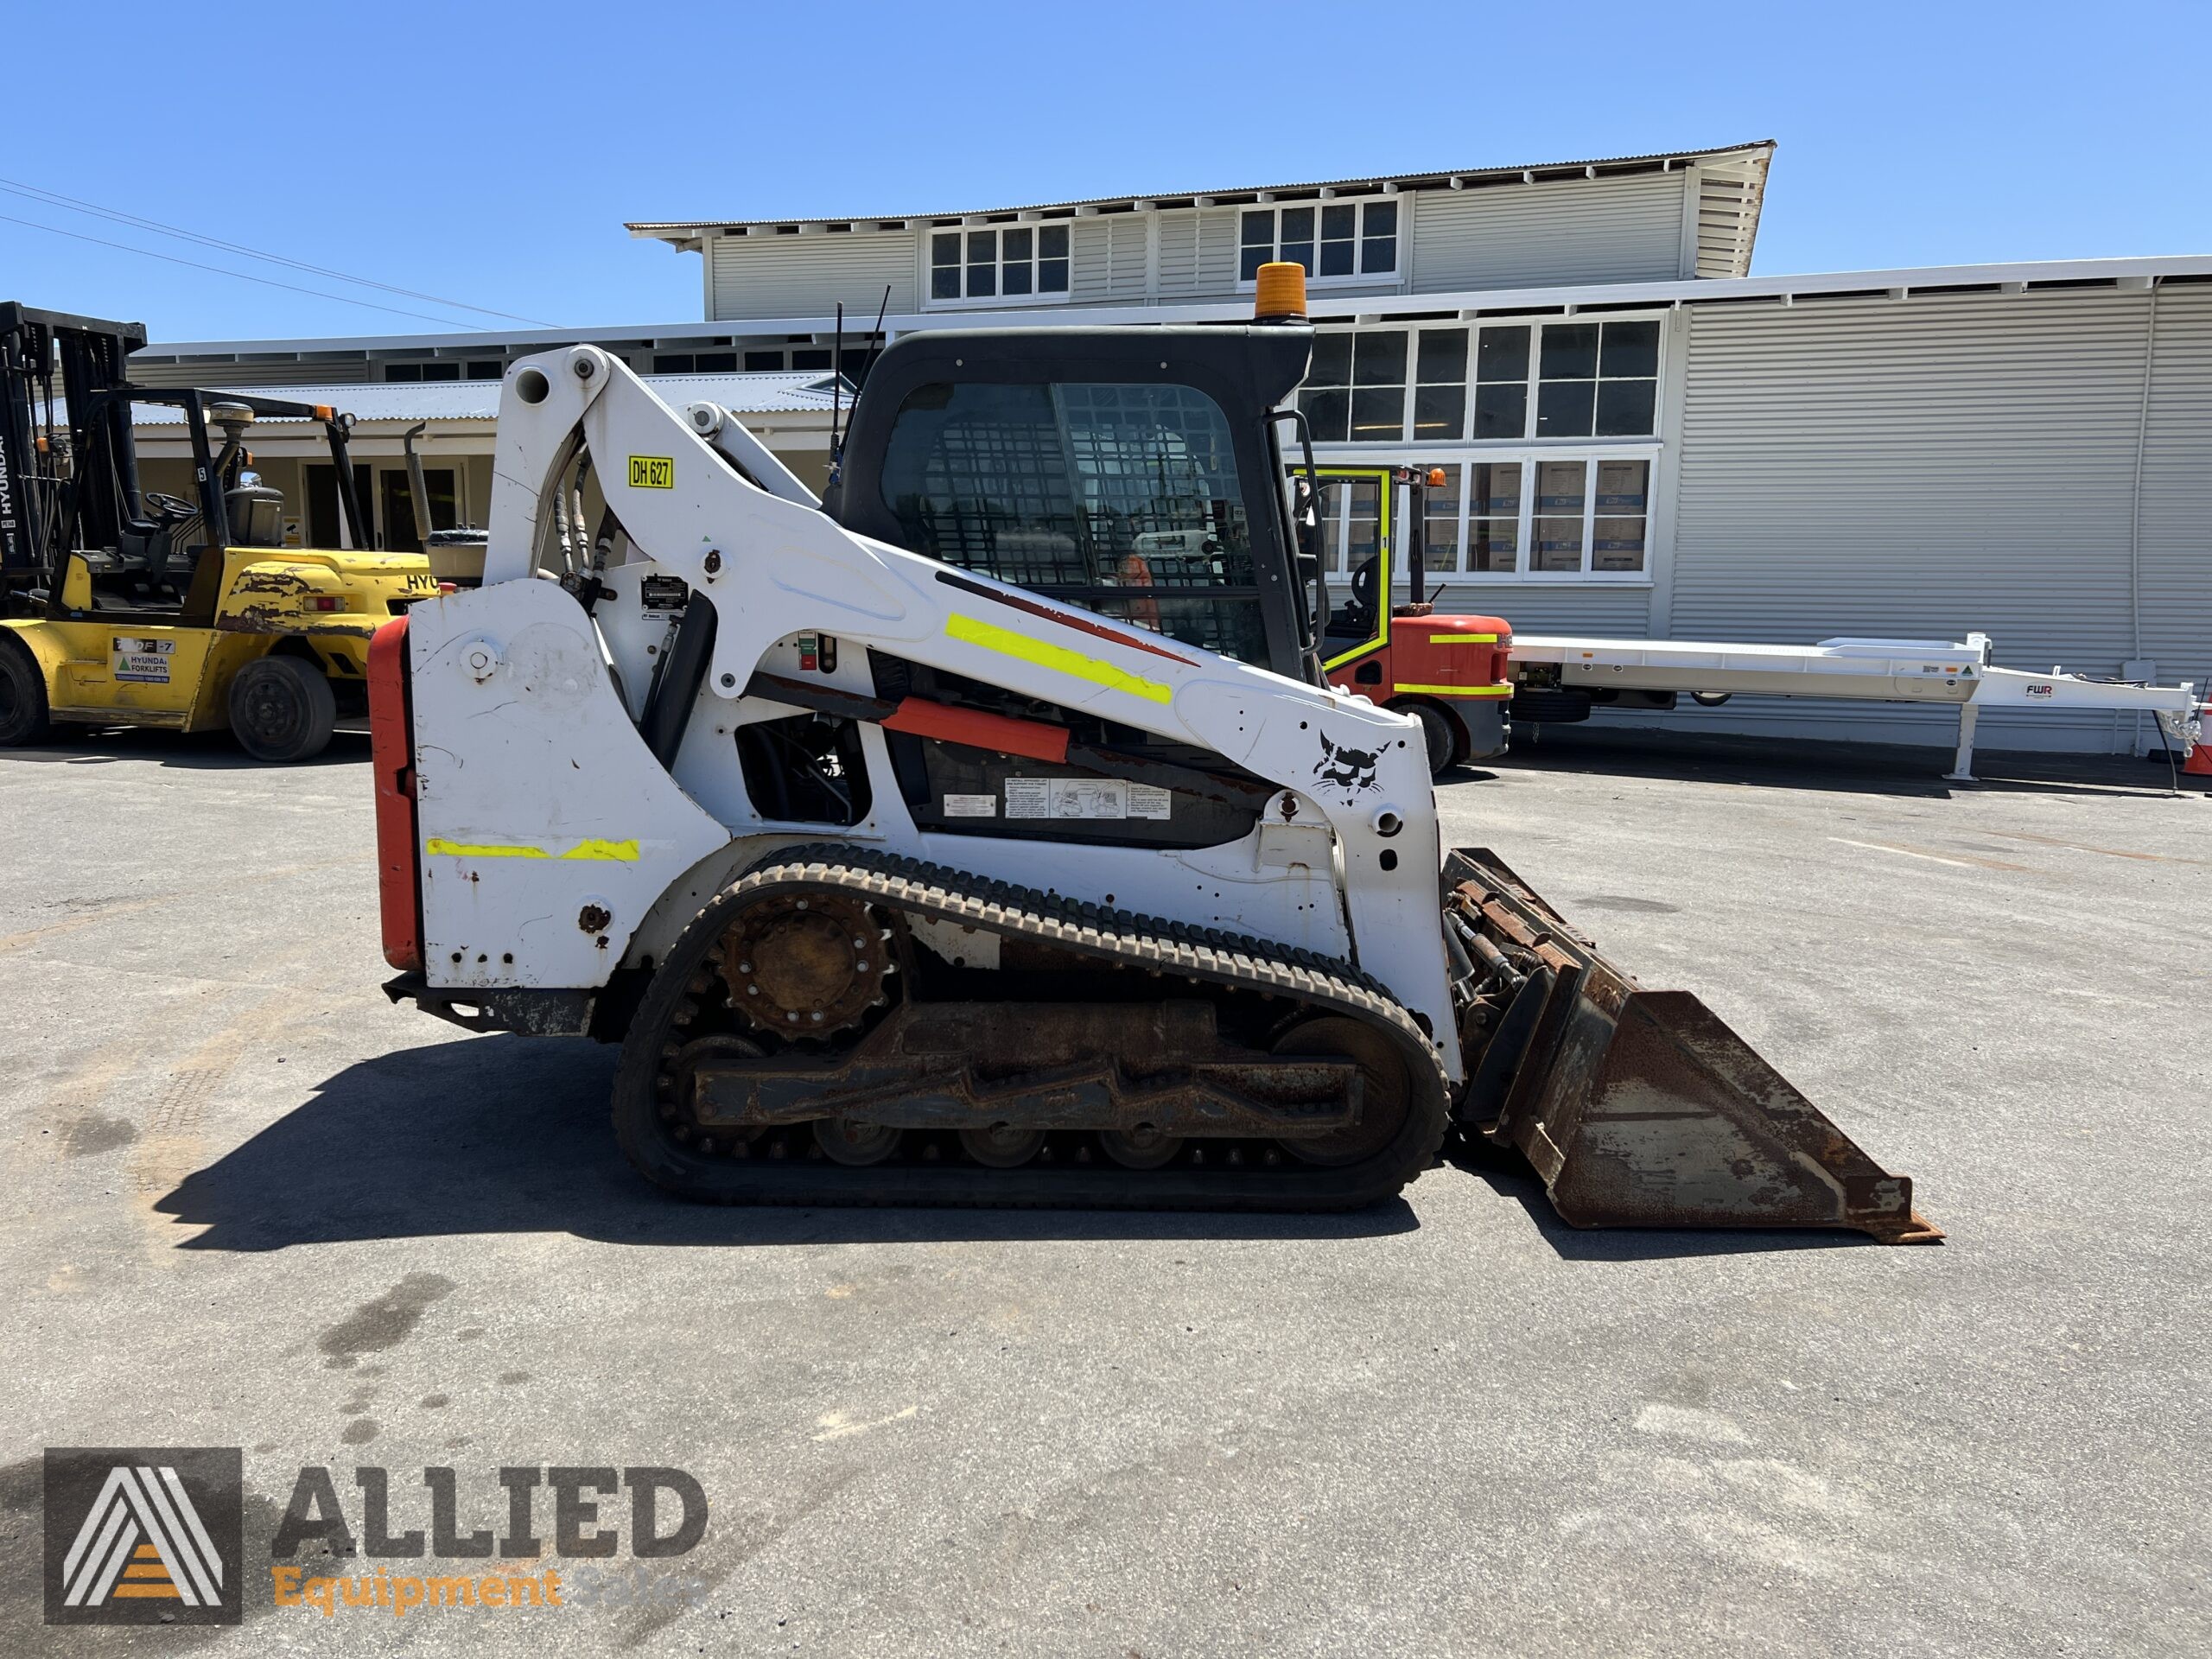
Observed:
{"x":1463,"y":638}
{"x":1460,"y":690}
{"x":1060,"y":659}
{"x":605,"y":852}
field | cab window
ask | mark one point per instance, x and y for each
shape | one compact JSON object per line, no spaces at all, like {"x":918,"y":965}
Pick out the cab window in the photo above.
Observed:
{"x":1121,"y":498}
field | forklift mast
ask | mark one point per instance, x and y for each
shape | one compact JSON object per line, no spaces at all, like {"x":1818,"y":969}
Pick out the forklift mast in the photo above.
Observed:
{"x":49,"y":487}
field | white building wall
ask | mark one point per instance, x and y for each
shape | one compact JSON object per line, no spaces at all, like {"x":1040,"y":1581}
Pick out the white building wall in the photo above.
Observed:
{"x":807,"y":276}
{"x":1565,"y":230}
{"x":1923,"y":467}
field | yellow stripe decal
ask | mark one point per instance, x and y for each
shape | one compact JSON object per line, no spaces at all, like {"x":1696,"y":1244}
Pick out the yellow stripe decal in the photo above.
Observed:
{"x":1463,"y":638}
{"x":1460,"y":690}
{"x":604,"y":852}
{"x":1060,"y":659}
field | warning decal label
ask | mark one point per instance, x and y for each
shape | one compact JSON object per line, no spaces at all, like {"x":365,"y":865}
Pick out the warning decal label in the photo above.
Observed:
{"x":1084,"y":797}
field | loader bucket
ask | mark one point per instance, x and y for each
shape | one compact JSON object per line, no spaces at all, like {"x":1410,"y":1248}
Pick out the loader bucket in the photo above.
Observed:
{"x":1638,"y":1107}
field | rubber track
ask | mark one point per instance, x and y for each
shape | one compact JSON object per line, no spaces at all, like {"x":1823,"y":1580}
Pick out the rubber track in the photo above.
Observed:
{"x":1208,"y":956}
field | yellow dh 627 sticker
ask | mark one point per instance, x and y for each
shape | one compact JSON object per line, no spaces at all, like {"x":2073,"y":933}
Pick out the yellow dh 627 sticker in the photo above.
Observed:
{"x":653,"y":472}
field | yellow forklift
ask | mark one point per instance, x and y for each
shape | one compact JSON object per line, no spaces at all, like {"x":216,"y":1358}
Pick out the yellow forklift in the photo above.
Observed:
{"x":124,"y":606}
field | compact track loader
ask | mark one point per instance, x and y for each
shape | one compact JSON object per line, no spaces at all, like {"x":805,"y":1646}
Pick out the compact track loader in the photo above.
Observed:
{"x":988,"y":835}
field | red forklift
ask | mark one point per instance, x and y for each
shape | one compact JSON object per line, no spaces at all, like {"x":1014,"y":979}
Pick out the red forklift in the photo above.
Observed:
{"x":1448,"y":669}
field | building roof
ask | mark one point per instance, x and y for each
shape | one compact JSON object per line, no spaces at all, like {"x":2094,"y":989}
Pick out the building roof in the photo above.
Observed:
{"x":2035,"y":276}
{"x":1755,"y":153}
{"x":762,"y":392}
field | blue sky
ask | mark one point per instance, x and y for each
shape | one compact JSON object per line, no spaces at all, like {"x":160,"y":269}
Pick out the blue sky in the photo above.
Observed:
{"x":489,"y":155}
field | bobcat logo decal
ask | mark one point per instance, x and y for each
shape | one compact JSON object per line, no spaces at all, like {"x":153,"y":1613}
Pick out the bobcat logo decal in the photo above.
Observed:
{"x":1350,"y":770}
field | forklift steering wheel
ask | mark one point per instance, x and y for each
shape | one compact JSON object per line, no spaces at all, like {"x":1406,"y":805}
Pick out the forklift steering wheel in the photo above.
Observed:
{"x":170,"y":506}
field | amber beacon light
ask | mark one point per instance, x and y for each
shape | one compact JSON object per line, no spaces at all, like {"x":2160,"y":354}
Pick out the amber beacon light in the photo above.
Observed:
{"x":1281,"y":294}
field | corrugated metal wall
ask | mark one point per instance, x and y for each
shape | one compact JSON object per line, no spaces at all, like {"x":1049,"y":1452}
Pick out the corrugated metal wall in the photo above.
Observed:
{"x":1929,"y":466}
{"x":806,"y":276}
{"x":1571,"y":231}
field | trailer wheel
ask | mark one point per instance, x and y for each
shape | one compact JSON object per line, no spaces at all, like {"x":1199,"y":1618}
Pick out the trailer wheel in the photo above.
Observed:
{"x":283,"y":709}
{"x":23,"y":695}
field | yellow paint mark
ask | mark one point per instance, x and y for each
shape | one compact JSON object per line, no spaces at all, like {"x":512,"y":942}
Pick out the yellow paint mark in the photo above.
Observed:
{"x":1058,"y":659}
{"x":1463,"y":638}
{"x":590,"y":851}
{"x":1460,"y":690}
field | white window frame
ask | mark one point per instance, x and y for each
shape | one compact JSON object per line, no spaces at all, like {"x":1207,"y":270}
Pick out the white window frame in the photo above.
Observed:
{"x":970,"y":302}
{"x":1530,"y":457}
{"x":1413,"y":331}
{"x":1359,"y":205}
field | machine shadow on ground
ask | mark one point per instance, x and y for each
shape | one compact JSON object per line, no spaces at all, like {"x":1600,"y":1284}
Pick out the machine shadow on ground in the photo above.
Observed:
{"x":1850,"y":768}
{"x":509,"y":1134}
{"x":186,"y":752}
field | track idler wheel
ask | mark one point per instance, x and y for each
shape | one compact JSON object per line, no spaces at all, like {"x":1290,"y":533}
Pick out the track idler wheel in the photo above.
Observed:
{"x":1386,"y":1088}
{"x":1003,"y":1145}
{"x":1142,"y":1147}
{"x":854,"y":1144}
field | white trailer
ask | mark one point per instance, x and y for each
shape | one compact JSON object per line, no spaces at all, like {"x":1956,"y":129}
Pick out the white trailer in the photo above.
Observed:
{"x":1874,"y":670}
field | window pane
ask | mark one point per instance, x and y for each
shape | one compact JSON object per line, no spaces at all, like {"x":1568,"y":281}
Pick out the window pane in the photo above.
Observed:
{"x":1504,"y":355}
{"x":1616,"y":544}
{"x":1631,"y":349}
{"x":982,"y":247}
{"x":1443,"y":356}
{"x":1335,"y":259}
{"x":441,"y":370}
{"x":944,"y":248}
{"x":1439,"y":528}
{"x":1627,"y":407}
{"x":1016,"y":277}
{"x":945,"y":284}
{"x":1381,"y":219}
{"x":1260,"y":228}
{"x":1559,"y":544}
{"x":1440,"y":411}
{"x":1328,"y":413}
{"x":1051,"y":276}
{"x":1378,"y":254}
{"x":1381,"y":358}
{"x":755,"y":361}
{"x":1563,"y":408}
{"x":1298,"y":253}
{"x":1016,"y":245}
{"x":1559,"y":485}
{"x":1053,"y":242}
{"x":982,"y":281}
{"x":1378,"y":415}
{"x":673,"y":363}
{"x":1493,"y":543}
{"x":1622,"y":486}
{"x":1331,"y":360}
{"x":484,"y":370}
{"x":1502,"y":412}
{"x":705,"y":363}
{"x":1248,"y":263}
{"x":1074,"y":489}
{"x":1297,"y":225}
{"x":820,"y":358}
{"x":1570,"y":350}
{"x":1496,"y":485}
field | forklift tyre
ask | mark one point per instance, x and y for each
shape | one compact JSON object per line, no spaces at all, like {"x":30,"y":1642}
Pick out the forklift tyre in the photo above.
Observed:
{"x":23,"y":695}
{"x":283,"y":709}
{"x":1436,"y":727}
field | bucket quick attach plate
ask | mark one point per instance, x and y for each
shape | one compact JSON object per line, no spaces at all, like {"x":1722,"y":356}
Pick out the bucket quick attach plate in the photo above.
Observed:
{"x":1639,"y":1107}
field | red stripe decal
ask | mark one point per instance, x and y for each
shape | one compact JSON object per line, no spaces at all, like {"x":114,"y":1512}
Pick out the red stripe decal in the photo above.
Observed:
{"x":1031,"y":738}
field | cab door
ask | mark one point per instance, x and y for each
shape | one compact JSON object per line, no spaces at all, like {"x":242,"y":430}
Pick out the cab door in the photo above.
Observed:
{"x":1356,"y":555}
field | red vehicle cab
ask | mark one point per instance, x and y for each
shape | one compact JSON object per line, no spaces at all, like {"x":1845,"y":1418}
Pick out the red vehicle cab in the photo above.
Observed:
{"x":1449,"y":669}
